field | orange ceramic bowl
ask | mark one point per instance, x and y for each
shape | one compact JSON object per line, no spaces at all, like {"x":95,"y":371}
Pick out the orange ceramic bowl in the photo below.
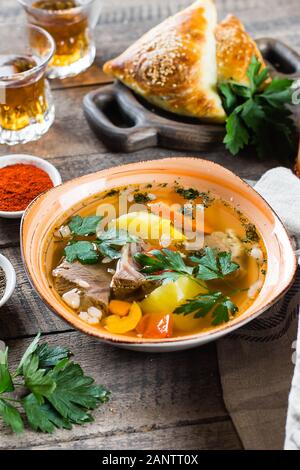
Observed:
{"x":49,"y":210}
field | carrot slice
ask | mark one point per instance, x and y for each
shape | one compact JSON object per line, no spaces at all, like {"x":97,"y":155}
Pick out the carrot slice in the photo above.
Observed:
{"x":119,"y":307}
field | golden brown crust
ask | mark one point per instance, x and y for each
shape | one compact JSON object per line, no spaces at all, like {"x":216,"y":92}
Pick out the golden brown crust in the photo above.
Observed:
{"x":174,"y":65}
{"x":235,"y":48}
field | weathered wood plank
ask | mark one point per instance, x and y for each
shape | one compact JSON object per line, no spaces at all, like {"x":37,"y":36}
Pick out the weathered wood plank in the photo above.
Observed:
{"x":206,"y":436}
{"x":25,"y":314}
{"x":149,"y":392}
{"x":70,"y":136}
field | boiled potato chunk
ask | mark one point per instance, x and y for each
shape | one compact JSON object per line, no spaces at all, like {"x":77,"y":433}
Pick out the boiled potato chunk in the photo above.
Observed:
{"x":147,"y":226}
{"x":121,"y":325}
{"x":167,"y":297}
{"x":161,"y":300}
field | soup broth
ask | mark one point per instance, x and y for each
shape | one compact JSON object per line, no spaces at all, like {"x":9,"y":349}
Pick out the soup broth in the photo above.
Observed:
{"x":157,"y":261}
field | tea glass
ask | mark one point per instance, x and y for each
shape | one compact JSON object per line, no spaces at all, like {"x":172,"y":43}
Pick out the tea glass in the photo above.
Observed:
{"x":71,"y":23}
{"x":26,"y":106}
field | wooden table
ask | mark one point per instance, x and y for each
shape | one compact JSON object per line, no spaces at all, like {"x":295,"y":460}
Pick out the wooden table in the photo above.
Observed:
{"x":163,"y":401}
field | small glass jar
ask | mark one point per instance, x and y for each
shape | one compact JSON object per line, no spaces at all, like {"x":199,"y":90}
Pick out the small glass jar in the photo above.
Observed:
{"x":26,"y":106}
{"x":71,"y":23}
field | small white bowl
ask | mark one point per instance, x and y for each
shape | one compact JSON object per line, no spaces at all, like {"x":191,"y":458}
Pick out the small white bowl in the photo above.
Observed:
{"x":31,"y":160}
{"x":10,"y":275}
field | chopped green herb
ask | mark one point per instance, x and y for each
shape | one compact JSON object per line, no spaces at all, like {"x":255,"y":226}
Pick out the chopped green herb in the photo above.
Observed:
{"x":112,"y":192}
{"x":190,"y":194}
{"x":141,"y":198}
{"x":251,"y":233}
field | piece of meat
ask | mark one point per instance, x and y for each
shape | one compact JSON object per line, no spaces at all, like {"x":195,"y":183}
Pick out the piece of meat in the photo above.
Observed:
{"x":92,"y":280}
{"x":226,"y":241}
{"x":127,"y":282}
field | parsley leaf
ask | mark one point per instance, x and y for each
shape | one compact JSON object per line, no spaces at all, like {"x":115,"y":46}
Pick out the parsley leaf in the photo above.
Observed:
{"x":220,"y":306}
{"x":237,"y":134}
{"x":42,"y":417}
{"x":6,"y":384}
{"x":163,"y":260}
{"x":83,"y":251}
{"x":258,"y":114}
{"x":84,"y":226}
{"x":75,"y":393}
{"x":11,"y":416}
{"x":213,"y":265}
{"x":36,"y":379}
{"x":221,"y":314}
{"x":200,"y":305}
{"x":49,"y":356}
{"x":114,"y":238}
{"x":31,"y":348}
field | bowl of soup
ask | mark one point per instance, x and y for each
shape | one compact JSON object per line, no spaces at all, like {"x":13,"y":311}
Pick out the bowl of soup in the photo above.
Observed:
{"x":157,"y":256}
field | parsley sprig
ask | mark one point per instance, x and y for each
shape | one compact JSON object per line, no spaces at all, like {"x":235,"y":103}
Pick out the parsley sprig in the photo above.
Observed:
{"x":259,"y":114}
{"x":220,"y":306}
{"x":163,"y":264}
{"x":214,"y":265}
{"x":166,"y":265}
{"x":57,"y":392}
{"x":106,"y":244}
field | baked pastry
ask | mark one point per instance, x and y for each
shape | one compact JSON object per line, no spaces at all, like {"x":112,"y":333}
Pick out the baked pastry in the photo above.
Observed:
{"x":174,"y":66}
{"x":235,"y":48}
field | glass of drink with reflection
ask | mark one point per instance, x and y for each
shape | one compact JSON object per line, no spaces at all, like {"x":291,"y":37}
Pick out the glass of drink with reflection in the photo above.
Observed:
{"x":26,"y":106}
{"x":71,"y":23}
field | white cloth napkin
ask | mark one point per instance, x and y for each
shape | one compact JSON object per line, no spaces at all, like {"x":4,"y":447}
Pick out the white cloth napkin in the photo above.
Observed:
{"x":255,"y":362}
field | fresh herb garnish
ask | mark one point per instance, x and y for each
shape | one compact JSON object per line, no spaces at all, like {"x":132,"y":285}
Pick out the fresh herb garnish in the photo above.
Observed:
{"x":251,"y":233}
{"x":57,"y":393}
{"x":166,"y":263}
{"x":88,"y":252}
{"x":112,"y":192}
{"x":141,"y":198}
{"x":190,"y":194}
{"x":220,"y":306}
{"x":109,"y":240}
{"x":83,"y":226}
{"x":213,"y":265}
{"x":83,"y":251}
{"x":258,"y":114}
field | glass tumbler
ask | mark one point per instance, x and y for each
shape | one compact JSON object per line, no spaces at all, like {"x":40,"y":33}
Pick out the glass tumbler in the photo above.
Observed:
{"x":26,"y":106}
{"x":71,"y":23}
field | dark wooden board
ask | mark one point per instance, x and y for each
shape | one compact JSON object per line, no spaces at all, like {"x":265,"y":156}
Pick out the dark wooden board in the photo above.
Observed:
{"x":127,"y":123}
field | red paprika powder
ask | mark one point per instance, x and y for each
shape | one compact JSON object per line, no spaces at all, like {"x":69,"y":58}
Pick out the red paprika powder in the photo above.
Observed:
{"x":20,"y":184}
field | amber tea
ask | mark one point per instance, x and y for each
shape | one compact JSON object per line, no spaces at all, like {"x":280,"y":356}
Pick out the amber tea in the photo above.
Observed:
{"x":22,"y":102}
{"x":26,"y":107}
{"x":68,"y":29}
{"x":68,"y":22}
